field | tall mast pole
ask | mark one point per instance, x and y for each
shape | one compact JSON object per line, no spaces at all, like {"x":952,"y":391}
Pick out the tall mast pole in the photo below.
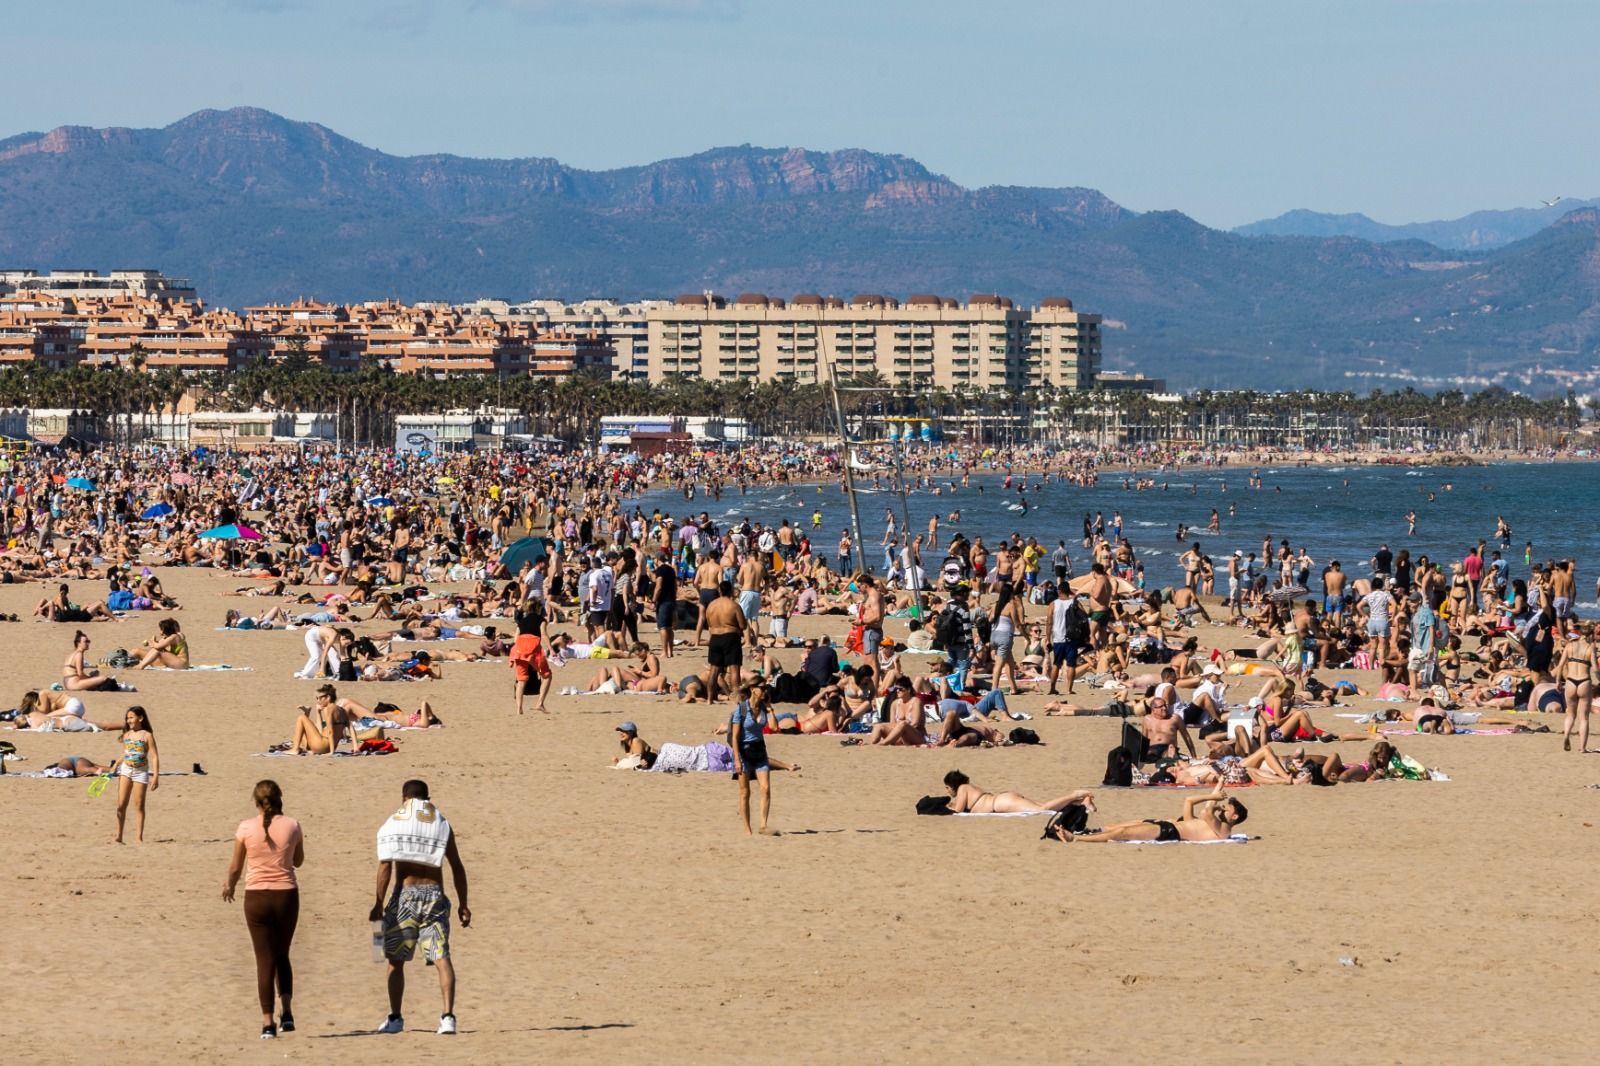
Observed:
{"x":849,"y":475}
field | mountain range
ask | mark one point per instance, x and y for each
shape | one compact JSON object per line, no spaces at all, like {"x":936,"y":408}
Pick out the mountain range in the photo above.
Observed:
{"x":255,"y":207}
{"x":1479,"y":231}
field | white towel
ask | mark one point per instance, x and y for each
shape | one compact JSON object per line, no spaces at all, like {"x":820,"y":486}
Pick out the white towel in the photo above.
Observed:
{"x":417,"y":833}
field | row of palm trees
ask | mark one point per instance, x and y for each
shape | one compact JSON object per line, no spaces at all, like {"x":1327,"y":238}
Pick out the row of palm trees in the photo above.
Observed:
{"x":365,"y":402}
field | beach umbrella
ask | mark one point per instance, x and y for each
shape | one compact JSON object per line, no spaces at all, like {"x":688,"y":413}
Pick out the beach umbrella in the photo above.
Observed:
{"x":1119,"y":586}
{"x":157,"y":510}
{"x":80,"y":483}
{"x":519,"y":552}
{"x":380,"y":501}
{"x":232,"y":531}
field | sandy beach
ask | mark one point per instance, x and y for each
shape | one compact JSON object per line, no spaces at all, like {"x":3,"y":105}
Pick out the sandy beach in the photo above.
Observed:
{"x":623,"y":917}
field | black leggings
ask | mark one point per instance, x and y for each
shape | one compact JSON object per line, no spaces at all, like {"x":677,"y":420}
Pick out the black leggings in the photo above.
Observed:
{"x":271,"y":915}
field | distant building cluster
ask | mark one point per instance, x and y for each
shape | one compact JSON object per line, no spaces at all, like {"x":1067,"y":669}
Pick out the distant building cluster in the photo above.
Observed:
{"x":140,"y":319}
{"x":156,"y":332}
{"x":986,"y":343}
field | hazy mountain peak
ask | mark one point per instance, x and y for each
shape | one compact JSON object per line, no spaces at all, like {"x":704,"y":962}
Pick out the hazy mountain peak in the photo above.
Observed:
{"x":1478,"y":231}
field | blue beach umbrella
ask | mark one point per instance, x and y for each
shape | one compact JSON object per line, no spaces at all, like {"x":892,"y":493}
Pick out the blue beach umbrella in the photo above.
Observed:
{"x":80,"y":483}
{"x":157,"y":510}
{"x":518,"y":552}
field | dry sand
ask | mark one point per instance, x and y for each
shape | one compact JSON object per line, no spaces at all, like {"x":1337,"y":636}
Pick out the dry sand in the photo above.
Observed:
{"x":623,"y":917}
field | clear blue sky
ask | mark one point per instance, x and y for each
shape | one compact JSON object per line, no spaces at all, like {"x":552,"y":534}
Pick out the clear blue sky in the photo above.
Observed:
{"x":1229,"y":111}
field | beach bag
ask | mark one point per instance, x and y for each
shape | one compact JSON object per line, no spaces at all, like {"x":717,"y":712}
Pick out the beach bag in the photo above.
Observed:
{"x":856,"y":641}
{"x":1135,"y":744}
{"x":934,"y":805}
{"x":377,"y":747}
{"x":1077,"y":624}
{"x":1119,"y":768}
{"x":1020,"y":735}
{"x":1407,"y":767}
{"x":1073,"y":818}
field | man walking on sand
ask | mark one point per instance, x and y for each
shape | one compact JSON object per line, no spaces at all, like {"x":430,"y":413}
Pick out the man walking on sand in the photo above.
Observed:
{"x":413,"y":846}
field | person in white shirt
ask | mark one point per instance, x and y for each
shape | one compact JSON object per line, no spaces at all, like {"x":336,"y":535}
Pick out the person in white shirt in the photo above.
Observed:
{"x":597,"y":598}
{"x":1375,"y":605}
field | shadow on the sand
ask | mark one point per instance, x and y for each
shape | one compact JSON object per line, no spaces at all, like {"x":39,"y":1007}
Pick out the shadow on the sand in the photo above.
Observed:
{"x":582,"y":1028}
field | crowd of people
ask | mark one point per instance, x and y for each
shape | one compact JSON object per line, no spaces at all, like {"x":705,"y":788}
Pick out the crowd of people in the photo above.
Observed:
{"x":549,"y":562}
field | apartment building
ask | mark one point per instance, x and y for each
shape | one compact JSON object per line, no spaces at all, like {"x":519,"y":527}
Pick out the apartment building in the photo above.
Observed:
{"x":621,"y":324}
{"x":985,"y":344}
{"x":162,"y":332}
{"x":89,"y":284}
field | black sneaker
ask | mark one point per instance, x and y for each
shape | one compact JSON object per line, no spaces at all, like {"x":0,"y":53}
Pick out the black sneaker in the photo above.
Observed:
{"x":269,"y":1032}
{"x":286,"y":1024}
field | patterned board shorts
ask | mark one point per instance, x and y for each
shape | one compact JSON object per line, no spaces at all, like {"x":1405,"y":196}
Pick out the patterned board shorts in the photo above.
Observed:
{"x":417,"y":915}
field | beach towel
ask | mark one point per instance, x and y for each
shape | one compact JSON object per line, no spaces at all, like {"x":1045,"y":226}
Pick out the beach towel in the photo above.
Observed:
{"x":417,"y":833}
{"x":1500,"y":731}
{"x":1239,"y":838}
{"x":999,"y":814}
{"x":204,"y":667}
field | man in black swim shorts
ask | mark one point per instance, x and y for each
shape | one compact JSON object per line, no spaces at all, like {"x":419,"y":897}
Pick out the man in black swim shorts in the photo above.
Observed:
{"x":725,"y":649}
{"x":1167,"y":831}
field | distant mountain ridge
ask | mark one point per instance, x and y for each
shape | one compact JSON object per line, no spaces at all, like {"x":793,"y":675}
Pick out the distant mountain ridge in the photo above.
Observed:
{"x":1479,"y":231}
{"x":255,"y":207}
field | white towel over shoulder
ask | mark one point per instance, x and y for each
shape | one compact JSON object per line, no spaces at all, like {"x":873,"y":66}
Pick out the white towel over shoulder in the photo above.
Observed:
{"x":417,"y":833}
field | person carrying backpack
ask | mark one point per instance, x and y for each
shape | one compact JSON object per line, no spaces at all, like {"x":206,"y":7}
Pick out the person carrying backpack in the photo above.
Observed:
{"x":1069,"y":631}
{"x":952,"y":632}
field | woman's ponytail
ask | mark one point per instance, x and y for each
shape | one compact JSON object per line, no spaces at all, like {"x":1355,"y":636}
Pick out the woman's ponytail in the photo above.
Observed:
{"x":269,"y":801}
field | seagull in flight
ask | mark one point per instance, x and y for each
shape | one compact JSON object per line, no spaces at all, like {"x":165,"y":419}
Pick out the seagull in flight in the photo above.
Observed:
{"x":1552,"y":203}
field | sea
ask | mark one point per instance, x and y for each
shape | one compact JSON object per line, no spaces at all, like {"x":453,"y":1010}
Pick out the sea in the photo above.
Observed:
{"x":1335,"y":512}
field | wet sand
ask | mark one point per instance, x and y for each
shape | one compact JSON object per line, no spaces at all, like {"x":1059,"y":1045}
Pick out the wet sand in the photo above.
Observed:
{"x":623,"y":917}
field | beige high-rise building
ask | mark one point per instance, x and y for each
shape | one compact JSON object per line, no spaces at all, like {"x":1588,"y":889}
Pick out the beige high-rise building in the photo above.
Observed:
{"x":986,"y":344}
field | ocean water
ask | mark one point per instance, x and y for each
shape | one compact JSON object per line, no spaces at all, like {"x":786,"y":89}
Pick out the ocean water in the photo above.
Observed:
{"x":1335,"y":512}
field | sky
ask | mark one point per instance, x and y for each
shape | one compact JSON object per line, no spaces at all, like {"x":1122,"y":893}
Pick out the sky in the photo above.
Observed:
{"x":1407,"y":110}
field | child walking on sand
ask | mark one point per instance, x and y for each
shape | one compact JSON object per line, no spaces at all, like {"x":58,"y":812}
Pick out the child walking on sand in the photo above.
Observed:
{"x":138,"y":769}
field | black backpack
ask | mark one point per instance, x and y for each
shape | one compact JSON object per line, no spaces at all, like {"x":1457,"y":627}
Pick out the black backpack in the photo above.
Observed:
{"x":1074,"y":818}
{"x":794,"y":688}
{"x":1020,"y":735}
{"x":1077,"y":624}
{"x":1119,"y":768}
{"x":934,"y":805}
{"x":1135,"y":743}
{"x":944,"y":630}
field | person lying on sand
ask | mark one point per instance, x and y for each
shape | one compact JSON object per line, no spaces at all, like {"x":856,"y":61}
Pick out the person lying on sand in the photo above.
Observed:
{"x":958,"y":732}
{"x":57,"y":712}
{"x":78,"y":766}
{"x":967,"y":798}
{"x":636,"y":753}
{"x":1205,"y":818}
